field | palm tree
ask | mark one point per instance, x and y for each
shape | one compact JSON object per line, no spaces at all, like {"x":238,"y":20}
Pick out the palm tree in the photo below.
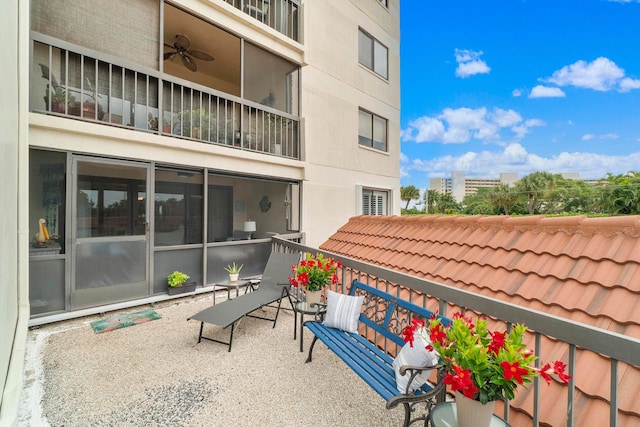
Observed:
{"x":408,"y":194}
{"x":503,"y":197}
{"x":535,"y":187}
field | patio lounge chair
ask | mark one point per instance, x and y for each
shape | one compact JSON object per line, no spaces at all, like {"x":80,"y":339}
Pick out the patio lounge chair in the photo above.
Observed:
{"x":273,"y":287}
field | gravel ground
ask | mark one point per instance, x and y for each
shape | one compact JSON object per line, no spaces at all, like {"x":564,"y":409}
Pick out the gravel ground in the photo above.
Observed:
{"x":155,"y":374}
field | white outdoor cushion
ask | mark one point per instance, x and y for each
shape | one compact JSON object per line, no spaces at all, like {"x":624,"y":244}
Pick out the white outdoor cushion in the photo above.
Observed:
{"x":417,"y":355}
{"x":343,"y":311}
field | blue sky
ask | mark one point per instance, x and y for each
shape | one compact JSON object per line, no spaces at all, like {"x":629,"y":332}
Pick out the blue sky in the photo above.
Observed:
{"x":521,"y":86}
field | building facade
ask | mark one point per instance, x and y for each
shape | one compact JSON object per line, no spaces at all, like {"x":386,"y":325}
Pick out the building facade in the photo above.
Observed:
{"x":157,"y":135}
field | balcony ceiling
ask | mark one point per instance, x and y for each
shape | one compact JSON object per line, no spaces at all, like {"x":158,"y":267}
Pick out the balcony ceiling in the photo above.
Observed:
{"x":223,"y":46}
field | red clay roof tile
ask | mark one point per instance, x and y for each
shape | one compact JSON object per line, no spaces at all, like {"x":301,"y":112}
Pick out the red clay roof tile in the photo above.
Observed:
{"x":584,"y":269}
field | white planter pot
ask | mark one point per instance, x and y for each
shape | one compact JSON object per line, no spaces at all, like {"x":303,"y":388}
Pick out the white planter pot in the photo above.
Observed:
{"x":313,"y":297}
{"x":472,"y":413}
{"x":233,"y":277}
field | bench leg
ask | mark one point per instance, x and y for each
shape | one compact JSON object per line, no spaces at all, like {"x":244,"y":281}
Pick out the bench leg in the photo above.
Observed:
{"x":313,"y":343}
{"x":407,"y":415}
{"x":200,"y":336}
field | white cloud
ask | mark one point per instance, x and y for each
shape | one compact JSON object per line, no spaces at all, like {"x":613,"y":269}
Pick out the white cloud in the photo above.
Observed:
{"x":590,"y":136}
{"x":469,"y":63}
{"x":515,"y":158}
{"x":522,"y":130}
{"x":610,"y":136}
{"x":505,"y":118}
{"x":424,"y":129}
{"x":628,"y":84}
{"x":516,"y":93}
{"x":460,"y":125}
{"x":541,"y":91}
{"x":602,"y":74}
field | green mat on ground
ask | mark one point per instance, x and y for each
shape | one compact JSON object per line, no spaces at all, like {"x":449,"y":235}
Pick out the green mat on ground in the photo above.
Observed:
{"x":124,"y":320}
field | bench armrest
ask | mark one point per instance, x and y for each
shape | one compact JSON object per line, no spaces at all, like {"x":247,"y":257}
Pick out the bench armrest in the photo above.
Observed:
{"x":414,"y":371}
{"x":436,"y":395}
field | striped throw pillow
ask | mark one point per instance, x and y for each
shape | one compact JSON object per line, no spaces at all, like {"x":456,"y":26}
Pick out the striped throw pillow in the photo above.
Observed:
{"x":343,"y":311}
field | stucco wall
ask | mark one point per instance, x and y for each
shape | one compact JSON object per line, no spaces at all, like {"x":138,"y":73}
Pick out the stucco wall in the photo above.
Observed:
{"x":13,"y":288}
{"x":115,"y":29}
{"x":334,"y":87}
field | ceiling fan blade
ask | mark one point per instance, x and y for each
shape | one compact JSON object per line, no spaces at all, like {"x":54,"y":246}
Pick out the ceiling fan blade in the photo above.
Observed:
{"x":188,"y":62}
{"x":169,"y":55}
{"x":169,"y":45}
{"x":200,"y":55}
{"x":182,"y":42}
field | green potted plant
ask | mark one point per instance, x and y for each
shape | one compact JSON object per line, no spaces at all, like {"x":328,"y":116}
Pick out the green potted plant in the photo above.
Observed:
{"x":234,"y":271}
{"x":177,"y":283}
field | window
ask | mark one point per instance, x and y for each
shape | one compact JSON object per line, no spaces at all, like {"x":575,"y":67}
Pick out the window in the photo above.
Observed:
{"x":384,"y":3}
{"x":178,"y":207}
{"x":372,"y":130}
{"x":374,"y":202}
{"x":372,"y":54}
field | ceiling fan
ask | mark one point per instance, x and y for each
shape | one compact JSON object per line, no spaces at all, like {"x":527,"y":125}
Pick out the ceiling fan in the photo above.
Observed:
{"x":181,"y":48}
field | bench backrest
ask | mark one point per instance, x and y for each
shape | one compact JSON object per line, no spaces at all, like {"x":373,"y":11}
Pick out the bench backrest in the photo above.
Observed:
{"x":387,"y":314}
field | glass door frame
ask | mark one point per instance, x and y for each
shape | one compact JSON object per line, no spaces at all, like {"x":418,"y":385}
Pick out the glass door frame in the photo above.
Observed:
{"x":147,"y":169}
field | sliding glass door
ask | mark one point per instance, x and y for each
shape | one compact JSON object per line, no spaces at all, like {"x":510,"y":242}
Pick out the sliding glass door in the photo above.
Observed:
{"x":109,"y":231}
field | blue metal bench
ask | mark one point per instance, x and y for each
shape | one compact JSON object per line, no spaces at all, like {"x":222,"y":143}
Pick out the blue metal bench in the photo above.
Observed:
{"x":384,"y":315}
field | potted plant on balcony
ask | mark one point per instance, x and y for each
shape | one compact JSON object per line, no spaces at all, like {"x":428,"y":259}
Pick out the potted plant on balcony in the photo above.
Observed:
{"x":177,"y":283}
{"x":198,"y":124}
{"x":314,"y":273}
{"x":61,"y":100}
{"x":481,"y":366}
{"x":87,"y":109}
{"x":234,"y":271}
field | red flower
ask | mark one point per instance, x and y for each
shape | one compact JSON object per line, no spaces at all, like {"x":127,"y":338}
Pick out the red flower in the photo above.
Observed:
{"x":303,"y":278}
{"x":437,"y":334}
{"x":497,"y":342}
{"x":513,"y":370}
{"x":461,"y":381}
{"x":407,"y":334}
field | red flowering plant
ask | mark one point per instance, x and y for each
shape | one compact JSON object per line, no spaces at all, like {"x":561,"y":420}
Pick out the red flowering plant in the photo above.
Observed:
{"x":483,"y":365}
{"x":315,"y":272}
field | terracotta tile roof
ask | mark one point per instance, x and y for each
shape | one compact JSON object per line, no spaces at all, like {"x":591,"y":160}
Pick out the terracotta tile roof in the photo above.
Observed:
{"x":583,"y":269}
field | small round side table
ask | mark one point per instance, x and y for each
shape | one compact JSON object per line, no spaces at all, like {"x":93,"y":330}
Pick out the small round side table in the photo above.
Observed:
{"x":303,"y":308}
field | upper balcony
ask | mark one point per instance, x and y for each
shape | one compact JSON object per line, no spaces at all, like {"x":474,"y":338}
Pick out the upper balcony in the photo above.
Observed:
{"x":73,"y":82}
{"x":281,"y":15}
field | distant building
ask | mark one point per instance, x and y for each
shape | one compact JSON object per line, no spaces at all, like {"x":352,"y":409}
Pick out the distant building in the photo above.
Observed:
{"x":459,"y":185}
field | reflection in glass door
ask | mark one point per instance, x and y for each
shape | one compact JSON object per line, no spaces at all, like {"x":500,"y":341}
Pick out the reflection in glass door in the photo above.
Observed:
{"x":110,"y":237}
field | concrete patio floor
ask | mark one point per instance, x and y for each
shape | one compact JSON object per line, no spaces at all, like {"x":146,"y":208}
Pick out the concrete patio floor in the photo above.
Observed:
{"x":156,"y":374}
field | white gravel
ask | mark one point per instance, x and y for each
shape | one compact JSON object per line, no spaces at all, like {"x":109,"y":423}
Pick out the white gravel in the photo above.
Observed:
{"x":155,"y":374}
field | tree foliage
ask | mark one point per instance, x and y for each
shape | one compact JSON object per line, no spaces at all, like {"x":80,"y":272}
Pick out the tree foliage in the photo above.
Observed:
{"x":542,"y":193}
{"x":408,"y":194}
{"x":535,"y":187}
{"x":621,"y":193}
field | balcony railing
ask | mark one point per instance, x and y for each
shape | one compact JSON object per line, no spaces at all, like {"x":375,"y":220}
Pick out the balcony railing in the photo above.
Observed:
{"x":281,"y":15}
{"x":78,"y":86}
{"x":619,"y":349}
